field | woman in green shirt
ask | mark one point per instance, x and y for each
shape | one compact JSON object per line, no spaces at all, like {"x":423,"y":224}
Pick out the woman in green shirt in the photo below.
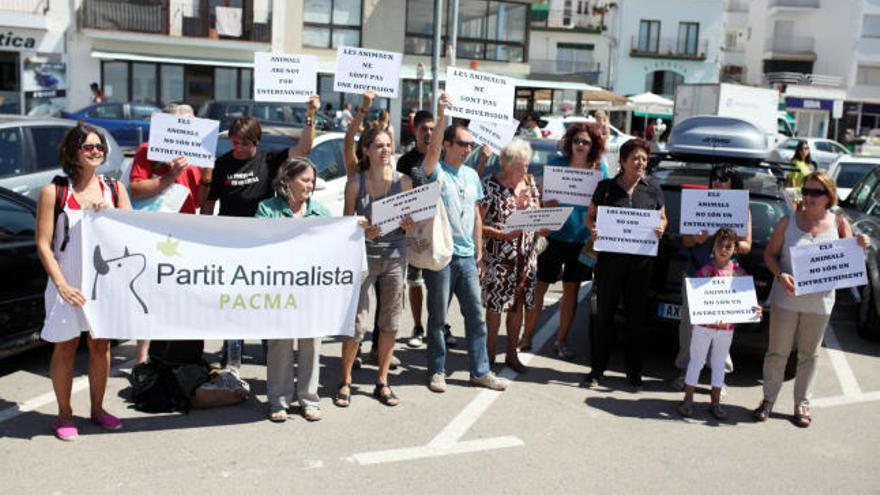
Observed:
{"x":804,"y":163}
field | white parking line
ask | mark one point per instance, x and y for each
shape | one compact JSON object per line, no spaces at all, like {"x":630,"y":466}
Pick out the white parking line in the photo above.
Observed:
{"x":447,"y":442}
{"x":844,"y":372}
{"x":79,"y":384}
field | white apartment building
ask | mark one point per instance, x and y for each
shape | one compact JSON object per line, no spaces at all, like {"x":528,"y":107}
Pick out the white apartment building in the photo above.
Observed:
{"x":661,"y":44}
{"x":825,"y":57}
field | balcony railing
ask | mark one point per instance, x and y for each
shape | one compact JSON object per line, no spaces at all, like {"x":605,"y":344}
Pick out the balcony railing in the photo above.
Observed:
{"x":38,"y":7}
{"x":559,"y":67}
{"x":156,"y":17}
{"x":791,"y":45}
{"x":798,"y":4}
{"x":668,"y":48}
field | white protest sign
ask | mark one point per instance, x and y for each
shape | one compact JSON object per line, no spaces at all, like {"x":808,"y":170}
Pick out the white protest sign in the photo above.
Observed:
{"x":710,"y":209}
{"x":479,"y":95}
{"x":570,"y":186}
{"x":419,"y":203}
{"x":283,"y":78}
{"x":537,"y":219}
{"x":179,"y":135}
{"x":169,"y":201}
{"x":827,"y":266}
{"x":493,"y":134}
{"x":359,"y":69}
{"x":722,"y":299}
{"x":627,"y":230}
{"x":159,"y":276}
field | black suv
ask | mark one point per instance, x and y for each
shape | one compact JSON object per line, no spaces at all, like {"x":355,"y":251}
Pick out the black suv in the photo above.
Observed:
{"x":267,"y":113}
{"x":862,"y":206}
{"x":24,"y":281}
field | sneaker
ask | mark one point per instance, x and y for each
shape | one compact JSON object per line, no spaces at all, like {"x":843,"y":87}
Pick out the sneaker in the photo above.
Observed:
{"x":678,"y":383}
{"x":418,"y":337}
{"x":490,"y":381}
{"x":447,"y":332}
{"x":437,"y":383}
{"x":66,"y":430}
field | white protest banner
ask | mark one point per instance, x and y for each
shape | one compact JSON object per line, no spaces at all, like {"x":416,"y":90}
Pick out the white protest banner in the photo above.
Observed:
{"x":479,"y":95}
{"x":493,"y":134}
{"x":283,"y":78}
{"x":360,"y":69}
{"x":722,"y":299}
{"x":537,"y":219}
{"x":162,"y":276}
{"x":419,"y":203}
{"x":710,"y":209}
{"x":179,"y":135}
{"x":570,"y":186}
{"x":627,"y":230}
{"x":828,"y":265}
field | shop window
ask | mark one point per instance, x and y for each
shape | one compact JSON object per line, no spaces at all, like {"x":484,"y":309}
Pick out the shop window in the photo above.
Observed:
{"x":171,"y":83}
{"x":115,"y":78}
{"x":331,"y":23}
{"x":143,"y":82}
{"x":225,"y":84}
{"x":868,"y":75}
{"x":246,"y":88}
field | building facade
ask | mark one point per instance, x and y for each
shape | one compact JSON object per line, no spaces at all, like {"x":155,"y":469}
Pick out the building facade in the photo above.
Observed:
{"x":663,"y":44}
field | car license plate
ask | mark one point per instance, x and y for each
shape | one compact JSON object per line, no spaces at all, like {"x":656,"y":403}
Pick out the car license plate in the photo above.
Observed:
{"x":669,"y":311}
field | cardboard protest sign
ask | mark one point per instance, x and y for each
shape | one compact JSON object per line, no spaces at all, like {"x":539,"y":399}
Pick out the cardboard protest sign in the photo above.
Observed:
{"x":179,"y":135}
{"x":534,"y":220}
{"x":493,"y":134}
{"x":710,"y":209}
{"x":479,"y":95}
{"x":722,"y":299}
{"x":627,"y":230}
{"x":419,"y":203}
{"x":283,"y":78}
{"x":570,"y":186}
{"x":360,"y":69}
{"x":827,"y":266}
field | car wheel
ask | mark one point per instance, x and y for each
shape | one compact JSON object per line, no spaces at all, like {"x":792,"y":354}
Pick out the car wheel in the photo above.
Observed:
{"x":869,"y":321}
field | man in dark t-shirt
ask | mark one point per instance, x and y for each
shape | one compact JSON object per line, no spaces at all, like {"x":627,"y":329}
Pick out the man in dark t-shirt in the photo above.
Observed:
{"x":423,"y":123}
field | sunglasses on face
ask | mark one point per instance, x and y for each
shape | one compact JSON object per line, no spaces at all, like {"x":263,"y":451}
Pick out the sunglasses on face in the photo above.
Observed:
{"x":816,"y":193}
{"x":582,"y":142}
{"x":89,"y":147}
{"x":464,"y":144}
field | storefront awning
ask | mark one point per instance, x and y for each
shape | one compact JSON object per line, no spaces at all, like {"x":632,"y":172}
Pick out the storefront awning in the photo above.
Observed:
{"x":137,"y":57}
{"x":539,"y":84}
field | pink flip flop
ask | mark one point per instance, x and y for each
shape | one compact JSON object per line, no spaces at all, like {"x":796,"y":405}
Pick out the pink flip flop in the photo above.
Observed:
{"x":107,"y":421}
{"x":66,"y":430}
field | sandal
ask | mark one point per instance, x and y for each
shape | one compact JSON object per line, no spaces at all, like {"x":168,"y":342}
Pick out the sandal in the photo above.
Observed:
{"x":388,"y":399}
{"x":718,"y":411}
{"x":802,"y":417}
{"x":563,"y":352}
{"x":686,"y":409}
{"x":340,"y":399}
{"x":278,"y":415}
{"x":763,"y":411}
{"x":311,"y":413}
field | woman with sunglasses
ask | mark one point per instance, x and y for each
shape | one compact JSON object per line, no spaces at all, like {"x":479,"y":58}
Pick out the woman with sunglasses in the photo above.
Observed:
{"x":799,"y":321}
{"x":582,"y":147}
{"x":81,"y":152}
{"x":803,"y":162}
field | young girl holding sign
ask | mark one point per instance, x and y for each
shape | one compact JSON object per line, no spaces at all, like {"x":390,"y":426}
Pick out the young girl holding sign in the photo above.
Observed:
{"x":718,"y":336}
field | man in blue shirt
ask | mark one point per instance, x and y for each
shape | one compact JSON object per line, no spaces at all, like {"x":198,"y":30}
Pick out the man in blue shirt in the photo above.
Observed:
{"x":460,"y":190}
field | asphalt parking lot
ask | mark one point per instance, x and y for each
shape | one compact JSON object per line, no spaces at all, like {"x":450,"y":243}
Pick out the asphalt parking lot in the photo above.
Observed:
{"x":545,"y":434}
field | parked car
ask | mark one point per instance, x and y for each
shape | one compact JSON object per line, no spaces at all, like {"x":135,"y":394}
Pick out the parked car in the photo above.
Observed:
{"x":689,"y":163}
{"x":326,"y":154}
{"x":29,"y":153}
{"x":822,"y":151}
{"x":267,"y":113}
{"x":544,"y":150}
{"x":24,"y":280}
{"x":129,"y":123}
{"x":848,"y":170}
{"x":863,"y":209}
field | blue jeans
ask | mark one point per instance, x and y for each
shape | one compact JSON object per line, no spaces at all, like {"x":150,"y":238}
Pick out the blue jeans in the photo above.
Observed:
{"x":461,"y":278}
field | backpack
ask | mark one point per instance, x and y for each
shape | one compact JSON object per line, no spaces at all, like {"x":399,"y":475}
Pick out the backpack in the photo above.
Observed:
{"x":62,"y":188}
{"x":158,"y":386}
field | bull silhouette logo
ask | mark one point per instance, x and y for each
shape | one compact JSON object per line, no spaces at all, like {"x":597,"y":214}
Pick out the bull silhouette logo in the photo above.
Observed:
{"x":116,"y":272}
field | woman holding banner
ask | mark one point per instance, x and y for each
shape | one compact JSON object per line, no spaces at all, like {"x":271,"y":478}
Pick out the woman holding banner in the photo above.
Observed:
{"x":293,"y":185}
{"x":800,"y":321}
{"x":582,"y":147}
{"x":59,"y":211}
{"x":386,"y":259}
{"x":623,"y":275}
{"x":510,"y":258}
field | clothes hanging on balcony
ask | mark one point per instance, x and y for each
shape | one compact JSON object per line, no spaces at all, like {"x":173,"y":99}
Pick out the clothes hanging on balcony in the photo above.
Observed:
{"x":228,"y":21}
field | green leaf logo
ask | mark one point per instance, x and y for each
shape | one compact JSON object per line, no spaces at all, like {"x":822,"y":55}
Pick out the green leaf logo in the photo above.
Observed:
{"x":168,"y":247}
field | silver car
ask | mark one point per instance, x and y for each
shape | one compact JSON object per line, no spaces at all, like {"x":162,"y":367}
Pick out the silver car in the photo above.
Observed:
{"x":822,"y":151}
{"x":29,"y":153}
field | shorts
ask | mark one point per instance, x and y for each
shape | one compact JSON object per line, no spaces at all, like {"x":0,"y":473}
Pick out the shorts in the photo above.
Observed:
{"x":389,"y":273}
{"x":414,"y":277}
{"x":562,"y":257}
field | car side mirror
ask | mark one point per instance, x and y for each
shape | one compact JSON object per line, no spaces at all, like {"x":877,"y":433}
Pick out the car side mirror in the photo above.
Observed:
{"x":320,"y":184}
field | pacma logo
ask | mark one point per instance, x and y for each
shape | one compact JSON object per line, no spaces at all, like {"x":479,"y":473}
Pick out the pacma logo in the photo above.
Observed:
{"x":117,"y":272}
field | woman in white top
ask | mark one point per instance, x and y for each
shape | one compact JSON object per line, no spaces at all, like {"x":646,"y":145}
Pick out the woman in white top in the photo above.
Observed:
{"x":799,"y":321}
{"x":81,"y":152}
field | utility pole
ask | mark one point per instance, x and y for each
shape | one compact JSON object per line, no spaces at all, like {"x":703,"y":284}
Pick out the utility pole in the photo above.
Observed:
{"x":435,"y":54}
{"x":453,"y":35}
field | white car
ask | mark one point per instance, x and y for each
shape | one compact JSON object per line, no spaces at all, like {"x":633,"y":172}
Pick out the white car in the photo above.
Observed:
{"x":848,"y":170}
{"x":554,"y":127}
{"x":822,"y":151}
